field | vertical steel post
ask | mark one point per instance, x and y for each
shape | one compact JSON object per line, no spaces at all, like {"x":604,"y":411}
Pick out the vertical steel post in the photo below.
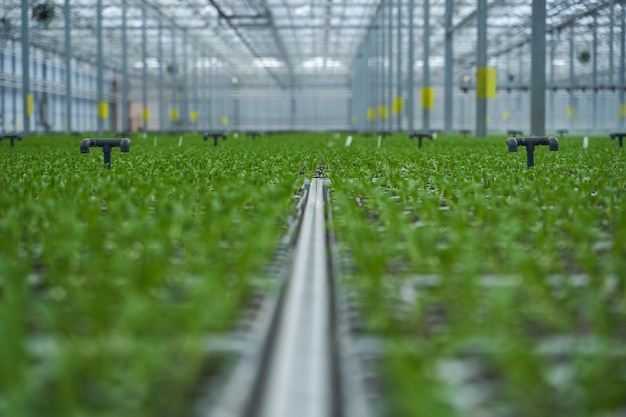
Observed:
{"x":173,"y":70}
{"x":553,"y":42}
{"x":538,"y":69}
{"x":185,"y":106}
{"x":100,"y":69}
{"x":26,"y":94}
{"x":571,"y":111}
{"x":125,"y":84}
{"x":611,"y":41}
{"x":161,"y":81}
{"x":68,"y":65}
{"x":399,"y":65}
{"x":481,"y":62}
{"x":448,"y":70}
{"x":411,"y":62}
{"x":594,"y":74}
{"x":383,"y":77}
{"x":194,"y":82}
{"x":390,"y":75}
{"x":622,"y":75}
{"x":426,"y":88}
{"x":145,"y":113}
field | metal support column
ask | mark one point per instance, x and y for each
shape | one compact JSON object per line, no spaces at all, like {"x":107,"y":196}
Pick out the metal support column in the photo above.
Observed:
{"x":185,"y":106}
{"x":145,"y":112}
{"x":161,"y":81}
{"x":611,"y":41}
{"x":481,"y":62}
{"x":26,"y":94}
{"x":100,"y":69}
{"x":411,"y":62}
{"x":622,"y":75}
{"x":553,"y":43}
{"x":571,"y":110}
{"x":194,"y":83}
{"x":68,"y":66}
{"x":594,"y":75}
{"x":390,"y":75}
{"x":399,"y":66}
{"x":426,"y":88}
{"x":448,"y":71}
{"x":173,"y":69}
{"x":538,"y":69}
{"x":125,"y":83}
{"x":383,"y":76}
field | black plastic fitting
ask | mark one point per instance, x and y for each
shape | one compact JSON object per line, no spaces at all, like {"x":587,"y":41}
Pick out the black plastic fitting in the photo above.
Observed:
{"x":106,"y":144}
{"x":465,"y":132}
{"x":530,"y":143}
{"x":420,"y":136}
{"x":514,"y":133}
{"x":384,"y":133}
{"x":619,"y":136}
{"x":12,"y":137}
{"x":215,"y":136}
{"x":253,"y":134}
{"x":562,"y":132}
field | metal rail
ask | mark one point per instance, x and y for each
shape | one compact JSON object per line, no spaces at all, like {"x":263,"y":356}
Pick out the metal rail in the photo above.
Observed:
{"x":298,"y":380}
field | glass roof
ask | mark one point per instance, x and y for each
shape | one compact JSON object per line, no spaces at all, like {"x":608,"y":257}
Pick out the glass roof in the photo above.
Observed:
{"x":285,"y":40}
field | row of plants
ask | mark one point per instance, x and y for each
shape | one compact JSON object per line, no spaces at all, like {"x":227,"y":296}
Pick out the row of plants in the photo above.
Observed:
{"x":111,"y":281}
{"x":497,"y":290}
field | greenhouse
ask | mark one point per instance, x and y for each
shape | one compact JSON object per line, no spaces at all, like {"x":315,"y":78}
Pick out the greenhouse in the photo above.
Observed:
{"x":322,"y":208}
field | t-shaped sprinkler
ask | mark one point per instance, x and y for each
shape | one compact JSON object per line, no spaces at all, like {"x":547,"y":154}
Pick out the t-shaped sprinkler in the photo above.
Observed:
{"x":514,"y":133}
{"x":562,"y":132}
{"x":13,"y":137}
{"x":530,"y":144}
{"x":253,"y":134}
{"x":420,"y":136}
{"x":106,"y":144}
{"x":215,"y":136}
{"x":619,"y":136}
{"x":465,"y":132}
{"x":384,"y":133}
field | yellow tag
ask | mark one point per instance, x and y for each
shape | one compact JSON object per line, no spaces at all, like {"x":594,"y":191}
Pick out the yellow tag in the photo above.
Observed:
{"x":194,"y":116}
{"x":224,"y":121}
{"x":30,"y":105}
{"x":397,"y":105}
{"x":428,"y":97}
{"x":506,"y":115}
{"x":371,"y":114}
{"x":145,"y":114}
{"x":174,"y":114}
{"x":382,"y":111}
{"x":354,"y":119}
{"x":486,"y":82}
{"x":570,"y":112}
{"x":488,"y":119}
{"x":623,"y":110}
{"x":103,"y":110}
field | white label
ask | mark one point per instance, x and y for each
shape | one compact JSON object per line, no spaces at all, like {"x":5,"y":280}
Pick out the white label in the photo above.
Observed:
{"x":585,"y":142}
{"x":180,"y":141}
{"x":349,"y":141}
{"x":380,"y":139}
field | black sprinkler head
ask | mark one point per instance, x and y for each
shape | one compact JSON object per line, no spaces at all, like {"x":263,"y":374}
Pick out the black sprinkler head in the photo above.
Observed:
{"x":215,"y":136}
{"x":12,"y":137}
{"x":106,"y":144}
{"x":514,"y":133}
{"x":530,"y":143}
{"x":620,"y":136}
{"x":420,"y":136}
